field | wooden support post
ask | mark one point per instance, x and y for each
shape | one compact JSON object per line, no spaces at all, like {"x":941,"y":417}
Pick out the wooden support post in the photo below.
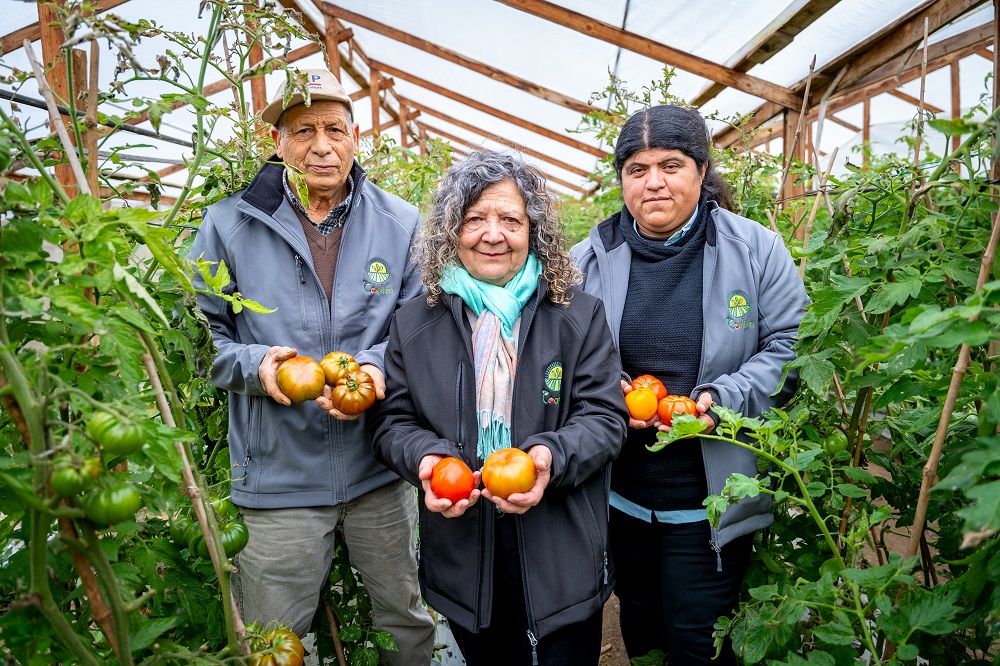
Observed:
{"x":258,"y":86}
{"x":404,"y":130}
{"x":793,"y":151}
{"x":866,"y":131}
{"x":332,"y":46}
{"x":373,"y":84}
{"x":52,"y":39}
{"x":956,"y":103}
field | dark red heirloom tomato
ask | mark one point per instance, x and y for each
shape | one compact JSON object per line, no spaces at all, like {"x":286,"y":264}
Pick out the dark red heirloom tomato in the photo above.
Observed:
{"x":354,"y":392}
{"x":452,"y":479}
{"x":301,"y":379}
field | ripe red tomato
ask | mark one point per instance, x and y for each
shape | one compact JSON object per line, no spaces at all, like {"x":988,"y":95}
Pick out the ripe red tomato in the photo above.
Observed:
{"x":675,"y":404}
{"x":283,"y":649}
{"x":651,"y":382}
{"x":641,"y":403}
{"x":354,"y":392}
{"x":508,"y":471}
{"x":336,"y":364}
{"x":301,"y":379}
{"x":452,"y":479}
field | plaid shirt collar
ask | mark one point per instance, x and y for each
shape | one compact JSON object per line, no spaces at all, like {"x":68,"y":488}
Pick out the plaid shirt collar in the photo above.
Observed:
{"x":336,"y":217}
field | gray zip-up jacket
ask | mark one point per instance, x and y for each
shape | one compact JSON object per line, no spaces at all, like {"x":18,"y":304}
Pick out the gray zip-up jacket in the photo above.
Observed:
{"x":300,"y":456}
{"x":752,"y":302}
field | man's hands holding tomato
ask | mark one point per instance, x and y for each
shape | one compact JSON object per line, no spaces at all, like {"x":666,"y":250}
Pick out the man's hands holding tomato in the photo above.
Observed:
{"x":439,"y":504}
{"x":704,"y":403}
{"x":268,"y":372}
{"x":326,"y":403}
{"x":521,"y":502}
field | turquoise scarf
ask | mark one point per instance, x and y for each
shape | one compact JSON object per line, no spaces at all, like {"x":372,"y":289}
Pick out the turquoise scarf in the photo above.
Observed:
{"x":494,"y":350}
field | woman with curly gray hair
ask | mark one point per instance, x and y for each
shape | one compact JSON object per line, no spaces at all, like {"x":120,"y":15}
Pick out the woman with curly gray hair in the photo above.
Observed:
{"x":504,"y":352}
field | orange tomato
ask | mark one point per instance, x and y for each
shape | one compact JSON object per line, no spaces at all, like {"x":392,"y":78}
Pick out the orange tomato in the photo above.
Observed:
{"x":301,"y":379}
{"x":641,"y":403}
{"x":508,"y":471}
{"x":675,"y":404}
{"x":651,"y":382}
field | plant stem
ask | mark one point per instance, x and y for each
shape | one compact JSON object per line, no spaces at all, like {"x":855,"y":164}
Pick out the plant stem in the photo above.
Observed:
{"x":33,"y":158}
{"x":106,"y":577}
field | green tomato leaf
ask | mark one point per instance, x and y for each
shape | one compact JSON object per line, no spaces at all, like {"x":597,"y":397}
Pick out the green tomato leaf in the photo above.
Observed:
{"x":834,"y":633}
{"x":134,"y":287}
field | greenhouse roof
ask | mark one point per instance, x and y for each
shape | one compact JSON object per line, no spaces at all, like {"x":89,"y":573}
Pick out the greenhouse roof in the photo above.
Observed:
{"x":521,"y":73}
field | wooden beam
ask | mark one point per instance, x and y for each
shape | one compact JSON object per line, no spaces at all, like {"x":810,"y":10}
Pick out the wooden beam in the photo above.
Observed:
{"x":914,"y":101}
{"x":866,"y":130}
{"x":956,"y":102}
{"x":493,"y":137}
{"x":985,"y":53}
{"x":661,"y":52}
{"x":842,"y":122}
{"x":453,"y":57}
{"x":879,"y":80}
{"x":778,"y":34}
{"x":382,"y":128}
{"x":904,"y":36}
{"x":258,"y":86}
{"x":332,"y":47}
{"x":479,"y":106}
{"x":373,"y":86}
{"x":13,"y":40}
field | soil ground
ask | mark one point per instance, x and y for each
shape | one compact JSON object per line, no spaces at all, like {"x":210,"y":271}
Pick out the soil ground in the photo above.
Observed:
{"x":612,"y":647}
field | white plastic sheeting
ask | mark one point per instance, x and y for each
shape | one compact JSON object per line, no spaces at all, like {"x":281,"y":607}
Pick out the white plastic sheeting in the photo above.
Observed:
{"x":559,"y":58}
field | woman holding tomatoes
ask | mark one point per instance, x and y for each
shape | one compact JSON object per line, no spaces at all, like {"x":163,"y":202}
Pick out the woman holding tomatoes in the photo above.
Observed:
{"x":506,"y":363}
{"x":708,"y":303}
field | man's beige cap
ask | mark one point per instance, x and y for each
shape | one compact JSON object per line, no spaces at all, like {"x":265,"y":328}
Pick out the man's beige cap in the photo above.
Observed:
{"x":321,"y":85}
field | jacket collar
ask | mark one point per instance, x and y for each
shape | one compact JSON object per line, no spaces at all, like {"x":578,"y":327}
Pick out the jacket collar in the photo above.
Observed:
{"x":266,"y":191}
{"x":611,"y":234}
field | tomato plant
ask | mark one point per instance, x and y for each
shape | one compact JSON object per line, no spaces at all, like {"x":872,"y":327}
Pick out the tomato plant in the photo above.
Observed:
{"x":508,"y":471}
{"x":675,"y":404}
{"x":354,"y":392}
{"x":452,"y":479}
{"x":114,"y":436}
{"x":336,"y":365}
{"x":280,"y":647}
{"x":108,"y":506}
{"x":641,"y":403}
{"x":301,"y":379}
{"x":652,"y":383}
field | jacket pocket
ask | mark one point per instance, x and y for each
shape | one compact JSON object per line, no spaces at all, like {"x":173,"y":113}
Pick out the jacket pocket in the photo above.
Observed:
{"x":252,"y":435}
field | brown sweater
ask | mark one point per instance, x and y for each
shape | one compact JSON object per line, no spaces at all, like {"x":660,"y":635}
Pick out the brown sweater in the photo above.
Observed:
{"x":324,"y":251}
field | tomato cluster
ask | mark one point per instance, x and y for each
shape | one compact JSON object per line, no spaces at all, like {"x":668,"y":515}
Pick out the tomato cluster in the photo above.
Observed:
{"x":69,"y":477}
{"x":301,"y":378}
{"x":649,"y":397}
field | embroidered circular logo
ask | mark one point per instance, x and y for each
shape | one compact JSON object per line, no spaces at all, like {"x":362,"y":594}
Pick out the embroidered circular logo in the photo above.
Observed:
{"x":553,"y":376}
{"x":739,"y":304}
{"x":378,"y":272}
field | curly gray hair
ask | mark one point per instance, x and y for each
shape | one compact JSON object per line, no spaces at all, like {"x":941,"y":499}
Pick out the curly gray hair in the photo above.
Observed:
{"x":463,"y":184}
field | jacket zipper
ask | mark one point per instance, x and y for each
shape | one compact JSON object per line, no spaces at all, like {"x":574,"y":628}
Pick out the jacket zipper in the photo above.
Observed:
{"x":718,"y":555}
{"x":460,"y":406}
{"x":302,"y":293}
{"x":527,"y":599}
{"x":250,"y":434}
{"x":534,"y":648}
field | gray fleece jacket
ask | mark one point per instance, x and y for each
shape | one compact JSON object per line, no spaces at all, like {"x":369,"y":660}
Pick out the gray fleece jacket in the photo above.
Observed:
{"x":752,"y":302}
{"x":299,"y":456}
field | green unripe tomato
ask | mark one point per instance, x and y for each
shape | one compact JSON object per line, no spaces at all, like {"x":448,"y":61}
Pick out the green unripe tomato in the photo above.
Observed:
{"x":115,"y":437}
{"x":108,"y":506}
{"x":69,"y":479}
{"x":235,"y":537}
{"x":178,"y":529}
{"x":834,"y":443}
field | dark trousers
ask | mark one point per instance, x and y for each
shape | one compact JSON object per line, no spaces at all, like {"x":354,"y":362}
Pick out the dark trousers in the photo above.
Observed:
{"x":505,"y":642}
{"x":670,"y":590}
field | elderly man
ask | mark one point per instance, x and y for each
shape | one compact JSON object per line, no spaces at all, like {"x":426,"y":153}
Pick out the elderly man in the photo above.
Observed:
{"x":330,"y":251}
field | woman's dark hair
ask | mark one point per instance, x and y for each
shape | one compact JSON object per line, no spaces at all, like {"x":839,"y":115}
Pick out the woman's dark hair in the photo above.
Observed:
{"x":673,"y":128}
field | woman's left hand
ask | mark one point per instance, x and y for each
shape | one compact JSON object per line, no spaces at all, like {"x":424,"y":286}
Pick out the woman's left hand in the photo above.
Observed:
{"x":439,"y":504}
{"x":521,"y":502}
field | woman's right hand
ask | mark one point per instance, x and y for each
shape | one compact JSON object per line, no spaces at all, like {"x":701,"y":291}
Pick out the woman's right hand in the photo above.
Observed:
{"x":636,"y":423}
{"x":440,"y":504}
